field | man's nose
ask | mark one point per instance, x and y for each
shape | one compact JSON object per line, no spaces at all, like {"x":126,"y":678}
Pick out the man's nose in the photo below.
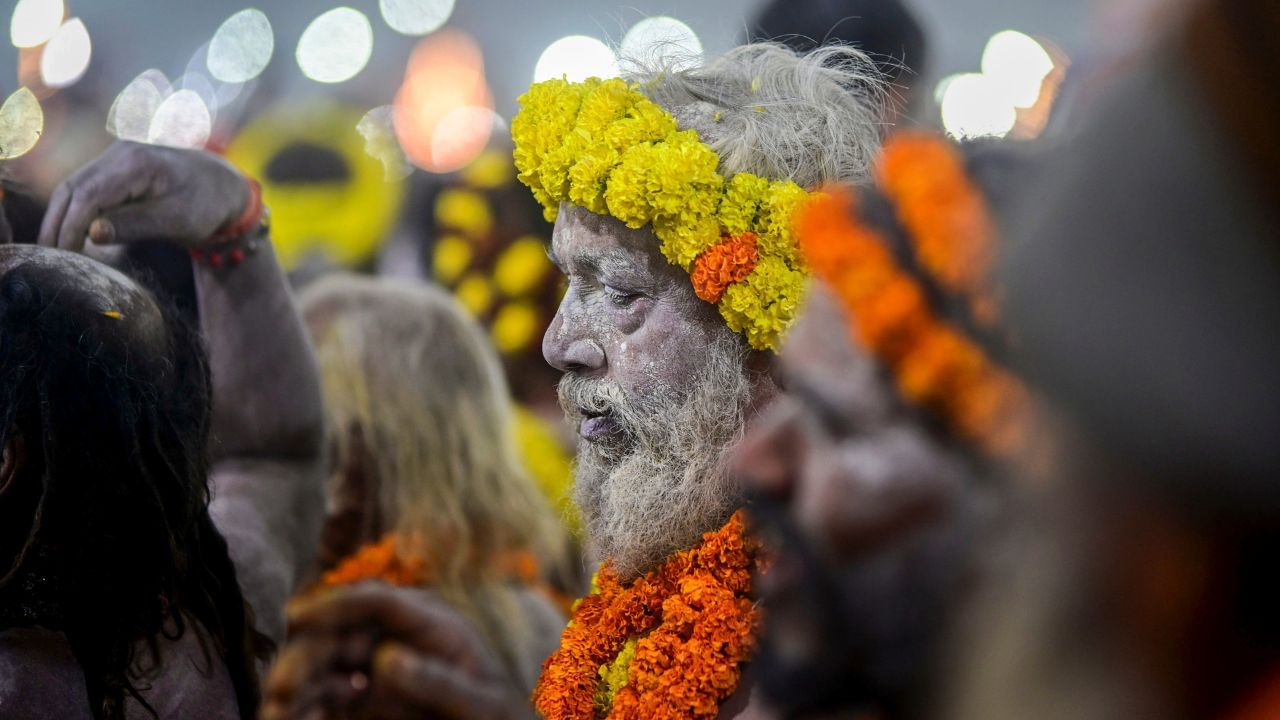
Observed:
{"x":567,"y":347}
{"x":768,"y":460}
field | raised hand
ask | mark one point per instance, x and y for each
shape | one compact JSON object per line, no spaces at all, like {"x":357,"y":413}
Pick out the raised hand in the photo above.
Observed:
{"x":145,"y":192}
{"x":381,"y":652}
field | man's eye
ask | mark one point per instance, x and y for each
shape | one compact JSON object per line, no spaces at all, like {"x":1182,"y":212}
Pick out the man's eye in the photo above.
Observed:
{"x":621,"y":298}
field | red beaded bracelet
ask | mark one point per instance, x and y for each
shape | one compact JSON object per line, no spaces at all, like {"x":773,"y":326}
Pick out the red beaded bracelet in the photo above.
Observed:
{"x":224,"y":246}
{"x":247,"y":220}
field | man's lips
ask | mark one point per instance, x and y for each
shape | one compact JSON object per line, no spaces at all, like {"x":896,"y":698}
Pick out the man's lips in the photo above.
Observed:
{"x":597,"y":427}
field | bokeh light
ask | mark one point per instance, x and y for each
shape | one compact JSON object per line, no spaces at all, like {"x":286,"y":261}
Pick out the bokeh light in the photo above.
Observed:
{"x":461,"y":135}
{"x":1017,"y":64}
{"x":335,"y":46}
{"x":662,"y":37}
{"x":377,"y":127}
{"x":975,"y":105}
{"x":66,"y":57}
{"x":35,"y":21}
{"x":576,"y":57}
{"x":416,"y":17}
{"x":131,"y":113}
{"x":182,"y":120}
{"x":21,"y":124}
{"x":444,"y":110}
{"x":241,"y":47}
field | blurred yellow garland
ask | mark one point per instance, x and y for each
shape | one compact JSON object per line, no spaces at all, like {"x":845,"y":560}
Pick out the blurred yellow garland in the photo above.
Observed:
{"x":605,"y":146}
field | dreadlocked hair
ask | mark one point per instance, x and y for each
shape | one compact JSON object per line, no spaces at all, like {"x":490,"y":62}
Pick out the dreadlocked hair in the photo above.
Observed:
{"x":115,"y":419}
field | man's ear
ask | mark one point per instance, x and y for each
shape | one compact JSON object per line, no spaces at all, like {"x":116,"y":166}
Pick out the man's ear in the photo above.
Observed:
{"x":12,"y":460}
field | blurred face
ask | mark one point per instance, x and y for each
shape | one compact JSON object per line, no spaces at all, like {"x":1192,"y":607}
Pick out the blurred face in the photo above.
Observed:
{"x":656,"y":385}
{"x":860,"y":501}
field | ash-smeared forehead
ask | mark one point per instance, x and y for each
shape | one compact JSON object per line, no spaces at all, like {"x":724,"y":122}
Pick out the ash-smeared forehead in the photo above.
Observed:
{"x":113,"y":291}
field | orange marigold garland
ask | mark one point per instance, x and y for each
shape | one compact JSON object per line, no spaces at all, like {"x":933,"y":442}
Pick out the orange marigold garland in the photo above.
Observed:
{"x":723,"y":264}
{"x":944,"y":214}
{"x":381,"y":560}
{"x":693,"y":625}
{"x":387,"y":561}
{"x":934,"y":365}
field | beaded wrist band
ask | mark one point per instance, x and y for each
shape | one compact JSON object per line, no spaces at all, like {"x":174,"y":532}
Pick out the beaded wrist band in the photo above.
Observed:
{"x":236,"y":240}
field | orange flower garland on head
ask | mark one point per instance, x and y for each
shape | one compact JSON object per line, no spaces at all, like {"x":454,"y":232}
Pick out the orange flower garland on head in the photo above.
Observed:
{"x":934,"y":365}
{"x":944,"y":214}
{"x":692,"y":623}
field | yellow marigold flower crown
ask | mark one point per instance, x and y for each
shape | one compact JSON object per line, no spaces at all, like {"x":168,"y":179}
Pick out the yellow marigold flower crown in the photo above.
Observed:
{"x":605,"y":146}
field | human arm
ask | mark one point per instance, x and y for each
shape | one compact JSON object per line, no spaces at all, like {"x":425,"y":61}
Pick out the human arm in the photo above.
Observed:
{"x":267,"y":429}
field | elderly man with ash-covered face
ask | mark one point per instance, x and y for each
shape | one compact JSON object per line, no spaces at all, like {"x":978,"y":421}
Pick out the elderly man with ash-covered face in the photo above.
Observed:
{"x":672,"y":199}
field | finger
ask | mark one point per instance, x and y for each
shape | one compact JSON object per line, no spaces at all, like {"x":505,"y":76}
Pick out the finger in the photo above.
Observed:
{"x":53,"y":215}
{"x":407,"y":684}
{"x":410,"y":616}
{"x":126,"y":223}
{"x":88,"y":197}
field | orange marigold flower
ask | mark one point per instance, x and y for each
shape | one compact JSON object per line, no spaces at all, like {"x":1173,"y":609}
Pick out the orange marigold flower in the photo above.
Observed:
{"x":723,"y":264}
{"x":934,"y":365}
{"x":695,"y":625}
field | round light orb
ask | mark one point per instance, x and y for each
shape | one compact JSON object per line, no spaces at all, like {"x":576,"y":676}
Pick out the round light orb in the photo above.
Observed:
{"x":182,"y":120}
{"x":21,"y":124}
{"x":377,"y":127}
{"x":662,"y":38}
{"x":335,"y":46}
{"x":66,"y":57}
{"x":1018,"y":64}
{"x":974,"y":105}
{"x":241,"y":47}
{"x":130,"y":115}
{"x":576,"y":58}
{"x":461,"y":135}
{"x":35,"y":21}
{"x":416,"y":17}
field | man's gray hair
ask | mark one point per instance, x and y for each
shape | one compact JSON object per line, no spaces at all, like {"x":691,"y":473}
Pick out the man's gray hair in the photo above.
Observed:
{"x":814,"y":118}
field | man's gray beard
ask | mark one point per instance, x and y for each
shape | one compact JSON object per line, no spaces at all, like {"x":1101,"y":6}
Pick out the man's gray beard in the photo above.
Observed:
{"x":662,"y":481}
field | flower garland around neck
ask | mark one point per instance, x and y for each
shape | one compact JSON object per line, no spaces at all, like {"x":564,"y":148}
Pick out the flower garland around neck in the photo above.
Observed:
{"x":945,"y":216}
{"x":668,"y":645}
{"x":604,"y":146}
{"x":934,"y":365}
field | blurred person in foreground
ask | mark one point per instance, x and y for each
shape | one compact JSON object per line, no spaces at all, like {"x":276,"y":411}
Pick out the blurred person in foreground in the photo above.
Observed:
{"x":1145,"y":293}
{"x":886,"y":30}
{"x":672,"y":198}
{"x":876,"y":476}
{"x":425,"y":487}
{"x":159,"y":500}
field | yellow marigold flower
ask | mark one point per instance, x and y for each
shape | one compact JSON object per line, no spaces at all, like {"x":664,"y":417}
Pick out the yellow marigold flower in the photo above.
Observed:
{"x":450,"y":258}
{"x":465,"y":211}
{"x":776,"y":214}
{"x":628,"y":192}
{"x":613,"y":676}
{"x":740,"y":204}
{"x":490,"y":170}
{"x":514,"y":327}
{"x":588,"y":178}
{"x":684,"y":239}
{"x":521,"y":267}
{"x":475,"y":294}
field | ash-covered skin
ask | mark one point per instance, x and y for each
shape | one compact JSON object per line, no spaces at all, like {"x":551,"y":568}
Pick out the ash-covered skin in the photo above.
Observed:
{"x":628,"y":315}
{"x":114,"y":291}
{"x":869,"y":513}
{"x":658,"y":387}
